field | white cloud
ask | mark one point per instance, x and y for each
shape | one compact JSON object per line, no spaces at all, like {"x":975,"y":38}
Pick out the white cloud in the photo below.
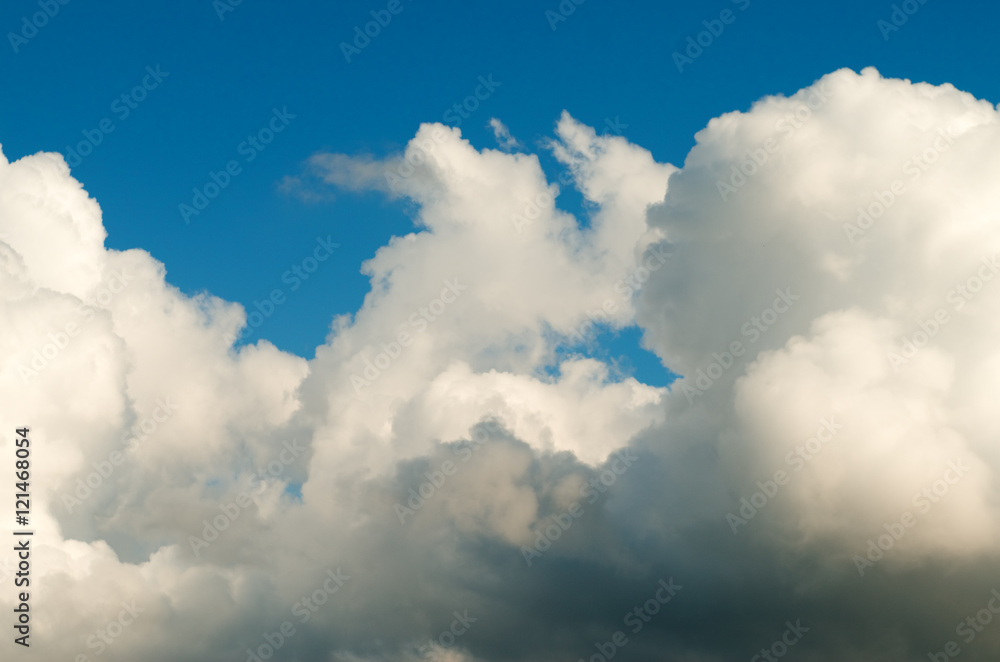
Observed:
{"x":502,"y":135}
{"x":530,"y":275}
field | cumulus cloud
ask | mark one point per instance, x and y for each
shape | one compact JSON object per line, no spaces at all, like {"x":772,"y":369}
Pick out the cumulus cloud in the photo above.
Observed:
{"x":444,"y":482}
{"x":502,"y":135}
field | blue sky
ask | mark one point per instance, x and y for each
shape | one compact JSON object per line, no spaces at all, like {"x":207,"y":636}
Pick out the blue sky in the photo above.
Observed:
{"x":222,"y":80}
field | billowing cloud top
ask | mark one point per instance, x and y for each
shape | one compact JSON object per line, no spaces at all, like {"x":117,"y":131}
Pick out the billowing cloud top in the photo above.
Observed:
{"x":440,"y":483}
